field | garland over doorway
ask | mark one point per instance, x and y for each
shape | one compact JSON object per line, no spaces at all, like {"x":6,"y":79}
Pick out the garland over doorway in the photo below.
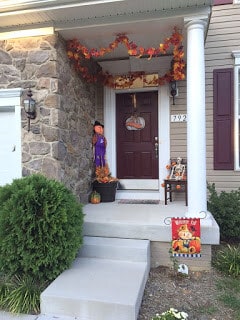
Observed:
{"x":79,"y":54}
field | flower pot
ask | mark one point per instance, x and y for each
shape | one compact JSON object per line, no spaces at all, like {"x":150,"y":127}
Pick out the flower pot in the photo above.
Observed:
{"x":107,"y":190}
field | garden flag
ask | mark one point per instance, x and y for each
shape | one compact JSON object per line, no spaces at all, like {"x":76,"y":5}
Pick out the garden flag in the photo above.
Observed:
{"x":186,"y":241}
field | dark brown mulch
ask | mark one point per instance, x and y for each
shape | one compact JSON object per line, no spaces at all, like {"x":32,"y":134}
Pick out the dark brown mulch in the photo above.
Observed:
{"x":195,"y":294}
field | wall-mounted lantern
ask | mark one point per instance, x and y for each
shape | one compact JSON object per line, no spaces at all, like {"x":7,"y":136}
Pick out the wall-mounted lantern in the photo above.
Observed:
{"x":30,"y":107}
{"x":173,"y":90}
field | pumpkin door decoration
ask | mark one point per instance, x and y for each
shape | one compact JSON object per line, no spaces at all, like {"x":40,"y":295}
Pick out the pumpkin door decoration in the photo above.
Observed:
{"x":135,"y":123}
{"x":95,"y":197}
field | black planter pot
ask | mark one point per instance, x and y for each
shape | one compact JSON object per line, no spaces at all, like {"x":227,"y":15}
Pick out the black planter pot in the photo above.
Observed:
{"x":107,"y":190}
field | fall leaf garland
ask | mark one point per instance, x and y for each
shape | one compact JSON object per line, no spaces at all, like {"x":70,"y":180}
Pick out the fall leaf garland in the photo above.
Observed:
{"x":78,"y":53}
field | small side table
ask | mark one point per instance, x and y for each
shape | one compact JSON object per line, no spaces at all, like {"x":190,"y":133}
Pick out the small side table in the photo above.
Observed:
{"x":170,"y":187}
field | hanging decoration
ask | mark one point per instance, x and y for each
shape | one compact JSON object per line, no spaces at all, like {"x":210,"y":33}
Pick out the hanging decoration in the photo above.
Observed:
{"x":134,"y":122}
{"x":79,"y":54}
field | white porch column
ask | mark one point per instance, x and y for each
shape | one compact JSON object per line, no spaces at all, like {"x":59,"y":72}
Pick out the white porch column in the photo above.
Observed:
{"x":196,"y":132}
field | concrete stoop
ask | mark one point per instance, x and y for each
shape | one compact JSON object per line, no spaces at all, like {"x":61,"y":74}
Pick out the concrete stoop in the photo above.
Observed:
{"x":105,"y":282}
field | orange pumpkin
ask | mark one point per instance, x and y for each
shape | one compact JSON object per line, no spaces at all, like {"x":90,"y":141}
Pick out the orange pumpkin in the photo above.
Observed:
{"x":177,"y":245}
{"x":95,"y":197}
{"x":195,"y":243}
{"x":178,"y":186}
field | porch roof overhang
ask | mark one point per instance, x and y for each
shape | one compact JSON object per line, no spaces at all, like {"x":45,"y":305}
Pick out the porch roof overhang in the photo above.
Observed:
{"x":95,"y":23}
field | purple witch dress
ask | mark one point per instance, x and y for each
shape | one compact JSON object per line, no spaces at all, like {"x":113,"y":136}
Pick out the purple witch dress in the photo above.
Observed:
{"x":99,"y":142}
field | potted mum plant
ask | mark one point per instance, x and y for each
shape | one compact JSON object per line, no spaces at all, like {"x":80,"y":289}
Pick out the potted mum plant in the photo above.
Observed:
{"x":103,"y":183}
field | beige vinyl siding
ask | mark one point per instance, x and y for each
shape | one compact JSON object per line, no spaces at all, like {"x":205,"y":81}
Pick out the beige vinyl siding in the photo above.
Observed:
{"x":223,"y":37}
{"x":178,"y":130}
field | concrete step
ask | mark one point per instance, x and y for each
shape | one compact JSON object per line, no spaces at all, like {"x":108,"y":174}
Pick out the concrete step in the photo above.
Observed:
{"x":97,"y":287}
{"x":114,"y":249}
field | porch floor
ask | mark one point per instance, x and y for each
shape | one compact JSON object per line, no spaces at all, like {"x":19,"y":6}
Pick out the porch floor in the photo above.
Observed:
{"x":141,"y":221}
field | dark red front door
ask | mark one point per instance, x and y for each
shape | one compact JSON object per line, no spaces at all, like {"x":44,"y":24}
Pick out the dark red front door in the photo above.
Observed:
{"x":137,"y":153}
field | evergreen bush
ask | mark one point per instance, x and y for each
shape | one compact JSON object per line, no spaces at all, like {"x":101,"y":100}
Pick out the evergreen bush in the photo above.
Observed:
{"x":225,"y":207}
{"x":40,"y":228}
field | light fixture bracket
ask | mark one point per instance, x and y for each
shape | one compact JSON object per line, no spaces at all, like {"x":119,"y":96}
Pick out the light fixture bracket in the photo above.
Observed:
{"x":30,"y":107}
{"x":173,"y":90}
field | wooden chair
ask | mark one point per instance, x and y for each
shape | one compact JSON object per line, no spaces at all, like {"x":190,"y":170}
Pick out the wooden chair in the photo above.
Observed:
{"x":172,"y":185}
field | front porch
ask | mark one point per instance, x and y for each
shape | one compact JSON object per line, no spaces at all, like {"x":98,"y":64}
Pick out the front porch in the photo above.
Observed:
{"x":149,"y":222}
{"x":121,"y":243}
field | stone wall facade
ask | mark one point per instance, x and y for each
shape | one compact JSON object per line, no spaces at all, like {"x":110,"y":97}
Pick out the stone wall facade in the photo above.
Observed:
{"x":58,"y":144}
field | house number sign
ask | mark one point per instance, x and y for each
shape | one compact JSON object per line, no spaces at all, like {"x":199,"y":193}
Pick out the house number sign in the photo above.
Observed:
{"x":178,"y":118}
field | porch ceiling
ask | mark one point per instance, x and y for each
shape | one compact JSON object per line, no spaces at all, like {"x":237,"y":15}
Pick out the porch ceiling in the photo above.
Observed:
{"x":96,"y":22}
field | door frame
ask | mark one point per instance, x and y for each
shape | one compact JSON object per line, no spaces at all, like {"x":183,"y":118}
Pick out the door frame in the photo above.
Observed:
{"x":11,"y":98}
{"x":163,"y":129}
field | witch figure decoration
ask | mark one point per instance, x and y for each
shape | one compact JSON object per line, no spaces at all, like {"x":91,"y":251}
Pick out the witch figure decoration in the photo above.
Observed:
{"x":99,"y":150}
{"x":99,"y":144}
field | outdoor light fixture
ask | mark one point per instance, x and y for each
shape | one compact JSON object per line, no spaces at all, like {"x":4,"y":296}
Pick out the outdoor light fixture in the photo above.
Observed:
{"x":173,"y":90}
{"x":30,"y":107}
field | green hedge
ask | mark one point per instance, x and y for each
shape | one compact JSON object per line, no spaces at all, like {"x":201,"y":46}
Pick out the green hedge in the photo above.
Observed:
{"x":40,"y":228}
{"x":225,"y":207}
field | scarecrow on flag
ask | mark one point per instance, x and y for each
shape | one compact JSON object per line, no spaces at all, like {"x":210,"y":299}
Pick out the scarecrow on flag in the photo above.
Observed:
{"x":186,"y":240}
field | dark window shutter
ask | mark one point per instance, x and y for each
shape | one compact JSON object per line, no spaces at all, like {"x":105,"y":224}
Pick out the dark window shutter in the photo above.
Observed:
{"x":223,"y":119}
{"x":219,"y":2}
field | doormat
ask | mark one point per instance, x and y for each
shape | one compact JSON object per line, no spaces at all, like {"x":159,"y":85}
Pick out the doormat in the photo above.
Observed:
{"x":126,"y":201}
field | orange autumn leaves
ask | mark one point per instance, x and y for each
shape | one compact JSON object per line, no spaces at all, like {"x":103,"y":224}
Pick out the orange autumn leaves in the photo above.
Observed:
{"x":78,"y":53}
{"x":103,"y":174}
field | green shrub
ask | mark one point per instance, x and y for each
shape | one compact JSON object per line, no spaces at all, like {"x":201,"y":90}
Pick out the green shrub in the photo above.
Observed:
{"x":40,"y":228}
{"x":225,"y":207}
{"x":227,"y":260}
{"x":20,"y":294}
